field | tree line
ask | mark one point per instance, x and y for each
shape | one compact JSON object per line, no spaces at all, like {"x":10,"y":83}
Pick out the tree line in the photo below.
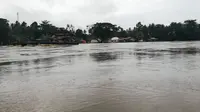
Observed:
{"x":188,"y":30}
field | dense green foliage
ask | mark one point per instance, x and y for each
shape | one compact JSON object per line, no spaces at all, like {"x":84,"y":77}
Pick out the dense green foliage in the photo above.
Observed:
{"x":4,"y":31}
{"x":102,"y":32}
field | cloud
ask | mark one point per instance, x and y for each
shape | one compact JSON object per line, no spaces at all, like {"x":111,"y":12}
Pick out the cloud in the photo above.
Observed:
{"x":98,"y":7}
{"x":26,"y":15}
{"x":85,"y":12}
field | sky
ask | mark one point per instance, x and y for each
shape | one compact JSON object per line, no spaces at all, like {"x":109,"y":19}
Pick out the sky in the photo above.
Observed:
{"x":80,"y":13}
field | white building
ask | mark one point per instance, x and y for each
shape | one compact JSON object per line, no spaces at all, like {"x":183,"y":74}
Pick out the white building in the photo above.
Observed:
{"x":94,"y":41}
{"x":115,"y":39}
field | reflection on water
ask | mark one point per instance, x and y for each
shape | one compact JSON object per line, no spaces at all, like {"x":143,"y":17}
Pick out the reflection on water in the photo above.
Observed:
{"x":189,"y":50}
{"x":140,"y":77}
{"x":104,"y":56}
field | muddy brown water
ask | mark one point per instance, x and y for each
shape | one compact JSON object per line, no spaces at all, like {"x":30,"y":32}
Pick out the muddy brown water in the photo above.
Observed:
{"x":129,"y":77}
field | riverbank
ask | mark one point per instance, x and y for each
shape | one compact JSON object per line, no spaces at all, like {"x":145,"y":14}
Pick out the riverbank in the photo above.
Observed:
{"x":45,"y":43}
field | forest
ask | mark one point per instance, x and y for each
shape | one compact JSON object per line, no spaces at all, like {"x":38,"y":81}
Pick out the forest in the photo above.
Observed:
{"x":188,"y":30}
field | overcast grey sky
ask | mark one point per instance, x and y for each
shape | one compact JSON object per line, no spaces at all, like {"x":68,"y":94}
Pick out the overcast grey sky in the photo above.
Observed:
{"x":125,"y":13}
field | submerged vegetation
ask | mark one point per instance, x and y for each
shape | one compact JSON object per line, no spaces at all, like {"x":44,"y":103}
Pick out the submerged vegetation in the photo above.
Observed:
{"x":102,"y":32}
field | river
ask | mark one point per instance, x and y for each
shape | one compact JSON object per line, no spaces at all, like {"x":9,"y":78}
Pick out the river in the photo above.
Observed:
{"x":119,"y":77}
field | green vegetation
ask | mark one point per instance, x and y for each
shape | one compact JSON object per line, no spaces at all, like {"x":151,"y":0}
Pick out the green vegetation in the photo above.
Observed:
{"x":21,"y":32}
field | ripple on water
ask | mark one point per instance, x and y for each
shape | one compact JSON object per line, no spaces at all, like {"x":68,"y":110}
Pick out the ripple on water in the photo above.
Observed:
{"x":141,"y":77}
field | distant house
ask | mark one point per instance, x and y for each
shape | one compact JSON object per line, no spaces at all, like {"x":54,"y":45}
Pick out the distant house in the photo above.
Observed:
{"x":115,"y":39}
{"x":94,"y":41}
{"x":60,"y":37}
{"x":132,"y":39}
{"x":153,"y":39}
{"x":141,"y":40}
{"x":127,"y":39}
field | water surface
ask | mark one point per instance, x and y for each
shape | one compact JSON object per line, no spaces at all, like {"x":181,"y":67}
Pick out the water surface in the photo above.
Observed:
{"x":129,"y":77}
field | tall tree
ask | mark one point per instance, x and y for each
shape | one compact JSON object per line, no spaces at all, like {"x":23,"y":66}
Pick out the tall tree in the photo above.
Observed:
{"x":34,"y":31}
{"x":80,"y":34}
{"x":45,"y":27}
{"x":190,"y":29}
{"x":70,"y":29}
{"x":139,"y":32}
{"x":103,"y":31}
{"x":4,"y":31}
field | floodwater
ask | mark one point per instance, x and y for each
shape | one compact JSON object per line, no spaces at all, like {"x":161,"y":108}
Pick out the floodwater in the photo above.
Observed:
{"x":127,"y":77}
